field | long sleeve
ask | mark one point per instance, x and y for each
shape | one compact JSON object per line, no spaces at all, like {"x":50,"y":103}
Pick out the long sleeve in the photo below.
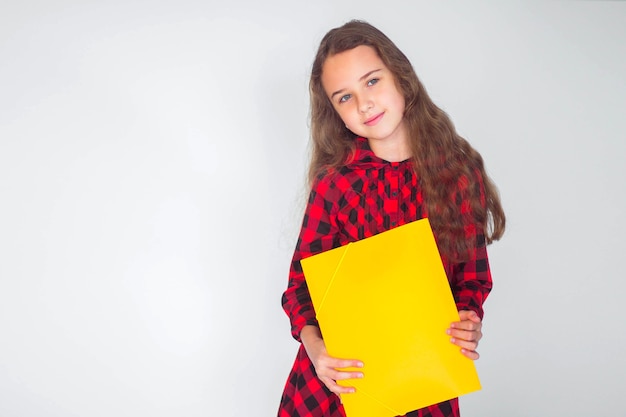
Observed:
{"x":319,"y":233}
{"x":471,"y":280}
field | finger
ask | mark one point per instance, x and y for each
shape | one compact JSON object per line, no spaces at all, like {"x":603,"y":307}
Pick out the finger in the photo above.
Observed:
{"x":469,"y":315}
{"x":472,"y":336}
{"x":337,"y":375}
{"x":336,"y":388}
{"x":341,"y":375}
{"x":464,"y":344}
{"x":327,"y":372}
{"x":331,"y":362}
{"x":466,"y":325}
{"x":348,"y":363}
{"x":471,"y":354}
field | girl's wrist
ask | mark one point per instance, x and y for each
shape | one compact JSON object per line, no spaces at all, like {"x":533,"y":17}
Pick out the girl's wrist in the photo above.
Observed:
{"x":311,"y":338}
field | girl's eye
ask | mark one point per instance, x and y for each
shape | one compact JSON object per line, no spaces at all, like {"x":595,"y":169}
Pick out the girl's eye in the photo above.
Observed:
{"x":344,"y":98}
{"x":372,"y":81}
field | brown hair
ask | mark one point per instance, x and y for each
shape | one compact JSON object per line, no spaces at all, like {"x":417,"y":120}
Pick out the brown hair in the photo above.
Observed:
{"x":449,"y":169}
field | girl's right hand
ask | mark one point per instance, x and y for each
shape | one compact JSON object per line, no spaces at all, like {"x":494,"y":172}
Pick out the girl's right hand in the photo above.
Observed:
{"x":326,"y":366}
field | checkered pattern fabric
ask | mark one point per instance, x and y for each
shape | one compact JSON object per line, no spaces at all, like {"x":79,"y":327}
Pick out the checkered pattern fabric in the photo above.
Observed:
{"x":364,"y":198}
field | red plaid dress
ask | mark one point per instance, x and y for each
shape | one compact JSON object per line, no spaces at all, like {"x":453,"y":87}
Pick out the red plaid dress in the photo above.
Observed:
{"x":359,"y":200}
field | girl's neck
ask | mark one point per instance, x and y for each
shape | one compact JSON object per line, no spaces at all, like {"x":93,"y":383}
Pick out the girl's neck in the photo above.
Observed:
{"x":391,"y":151}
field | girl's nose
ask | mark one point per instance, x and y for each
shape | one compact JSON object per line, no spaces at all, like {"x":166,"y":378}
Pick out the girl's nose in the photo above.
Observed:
{"x":365,"y":105}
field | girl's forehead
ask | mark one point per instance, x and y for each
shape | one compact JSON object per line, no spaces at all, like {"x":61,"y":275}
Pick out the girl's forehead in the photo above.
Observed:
{"x":350,"y":66}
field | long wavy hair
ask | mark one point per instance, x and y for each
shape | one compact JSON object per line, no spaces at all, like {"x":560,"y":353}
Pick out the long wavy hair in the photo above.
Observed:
{"x":449,"y":169}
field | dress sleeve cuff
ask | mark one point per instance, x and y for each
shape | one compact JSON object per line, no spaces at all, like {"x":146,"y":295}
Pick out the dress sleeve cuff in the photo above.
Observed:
{"x":296,"y":328}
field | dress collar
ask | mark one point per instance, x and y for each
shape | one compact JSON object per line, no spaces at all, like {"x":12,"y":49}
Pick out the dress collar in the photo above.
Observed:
{"x":363,"y":157}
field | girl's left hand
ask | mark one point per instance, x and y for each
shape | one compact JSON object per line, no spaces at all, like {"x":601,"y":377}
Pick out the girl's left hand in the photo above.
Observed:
{"x":466,"y":333}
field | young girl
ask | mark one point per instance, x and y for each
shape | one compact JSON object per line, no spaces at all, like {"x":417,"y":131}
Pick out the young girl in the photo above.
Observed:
{"x":384,"y":155}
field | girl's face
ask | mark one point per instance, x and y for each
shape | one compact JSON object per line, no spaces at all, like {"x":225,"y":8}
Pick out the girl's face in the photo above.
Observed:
{"x":363,"y":91}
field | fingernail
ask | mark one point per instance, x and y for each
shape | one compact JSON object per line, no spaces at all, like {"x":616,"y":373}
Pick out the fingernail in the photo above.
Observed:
{"x":448,"y":331}
{"x":360,"y":375}
{"x":360,"y":364}
{"x":452,"y":340}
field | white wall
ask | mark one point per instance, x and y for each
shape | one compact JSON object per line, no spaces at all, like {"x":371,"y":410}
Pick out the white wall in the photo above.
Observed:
{"x":152,"y":162}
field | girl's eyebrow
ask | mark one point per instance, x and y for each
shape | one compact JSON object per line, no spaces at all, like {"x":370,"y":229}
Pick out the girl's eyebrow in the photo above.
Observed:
{"x":360,"y":79}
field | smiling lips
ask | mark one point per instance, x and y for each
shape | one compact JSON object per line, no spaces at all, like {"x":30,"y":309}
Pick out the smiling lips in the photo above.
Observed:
{"x":372,"y":121}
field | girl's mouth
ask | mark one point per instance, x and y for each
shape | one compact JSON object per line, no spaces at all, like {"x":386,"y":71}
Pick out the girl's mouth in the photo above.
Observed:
{"x":374,"y":119}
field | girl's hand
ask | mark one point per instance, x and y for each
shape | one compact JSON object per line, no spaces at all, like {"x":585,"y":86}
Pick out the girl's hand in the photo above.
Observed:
{"x":466,"y":333}
{"x":326,"y":366}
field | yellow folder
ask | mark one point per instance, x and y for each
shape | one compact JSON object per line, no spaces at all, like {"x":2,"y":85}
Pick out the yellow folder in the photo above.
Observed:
{"x":386,"y":300}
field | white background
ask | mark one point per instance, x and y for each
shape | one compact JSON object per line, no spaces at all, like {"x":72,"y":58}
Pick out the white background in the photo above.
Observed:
{"x":152,"y":164}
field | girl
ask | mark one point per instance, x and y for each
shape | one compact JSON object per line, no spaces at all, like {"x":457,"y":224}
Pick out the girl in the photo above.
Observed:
{"x":384,"y":155}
